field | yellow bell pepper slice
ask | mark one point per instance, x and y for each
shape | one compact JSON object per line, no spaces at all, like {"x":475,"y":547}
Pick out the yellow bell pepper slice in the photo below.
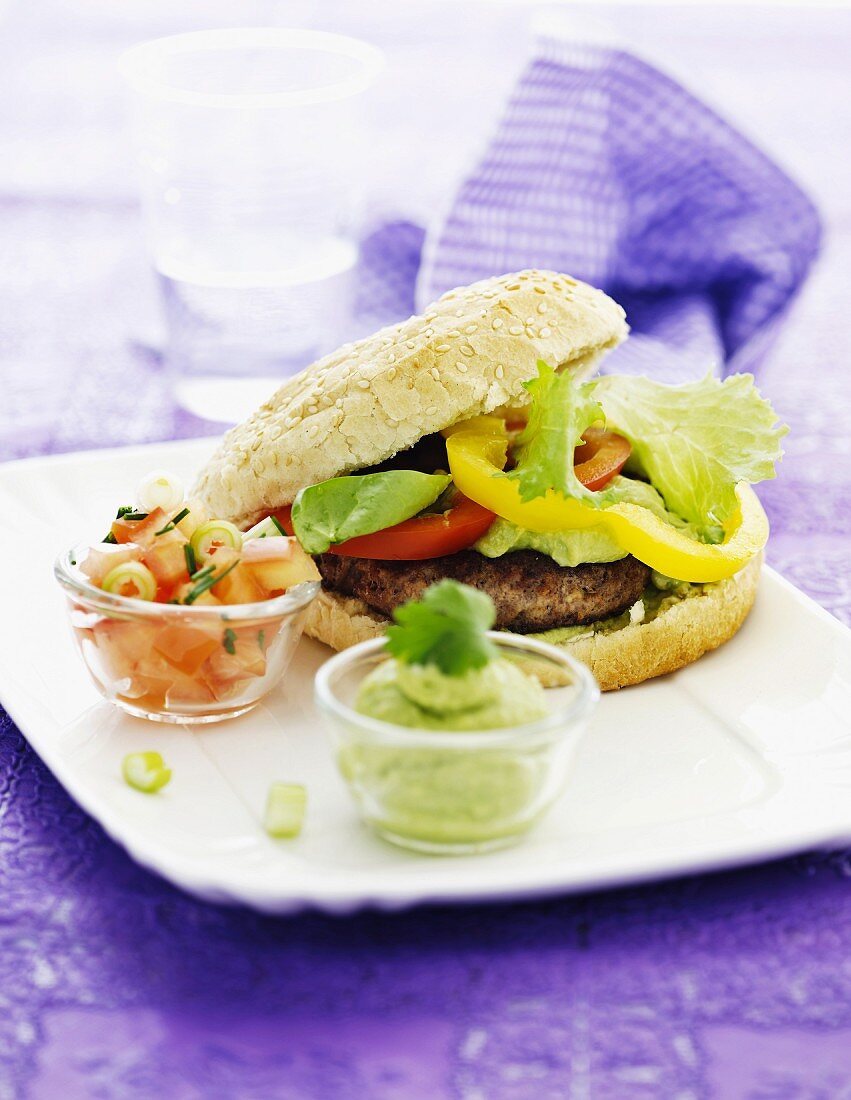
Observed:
{"x":477,"y":451}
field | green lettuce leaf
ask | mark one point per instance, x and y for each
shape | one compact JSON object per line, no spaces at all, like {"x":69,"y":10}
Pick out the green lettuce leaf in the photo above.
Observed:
{"x":695,"y":441}
{"x":560,"y":411}
{"x":345,"y":507}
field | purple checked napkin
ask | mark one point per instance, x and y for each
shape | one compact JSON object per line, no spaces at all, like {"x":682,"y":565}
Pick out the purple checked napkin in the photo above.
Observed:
{"x":605,"y":168}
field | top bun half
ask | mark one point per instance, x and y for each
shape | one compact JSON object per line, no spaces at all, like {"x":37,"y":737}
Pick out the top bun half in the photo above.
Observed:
{"x":467,"y":355}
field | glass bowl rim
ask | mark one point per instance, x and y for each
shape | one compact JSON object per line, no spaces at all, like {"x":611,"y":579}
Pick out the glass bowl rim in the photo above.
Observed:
{"x":132,"y":65}
{"x":75,"y":582}
{"x":559,"y":720}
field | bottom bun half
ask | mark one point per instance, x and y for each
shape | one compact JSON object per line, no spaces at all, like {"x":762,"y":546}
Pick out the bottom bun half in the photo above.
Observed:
{"x":678,"y":635}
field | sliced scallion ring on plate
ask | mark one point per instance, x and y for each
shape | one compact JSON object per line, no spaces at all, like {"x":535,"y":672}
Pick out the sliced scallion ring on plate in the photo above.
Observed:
{"x":211,"y":536}
{"x":133,"y":579}
{"x":285,"y":806}
{"x":145,"y":771}
{"x":159,"y":489}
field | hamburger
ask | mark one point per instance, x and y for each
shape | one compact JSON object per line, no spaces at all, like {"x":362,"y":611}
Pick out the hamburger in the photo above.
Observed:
{"x":613,"y":515}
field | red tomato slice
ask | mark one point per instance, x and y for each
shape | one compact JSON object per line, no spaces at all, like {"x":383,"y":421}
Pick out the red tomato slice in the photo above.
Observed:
{"x":416,"y":539}
{"x":601,"y":456}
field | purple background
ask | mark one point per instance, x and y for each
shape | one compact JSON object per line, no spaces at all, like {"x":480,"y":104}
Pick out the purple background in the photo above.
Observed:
{"x":112,"y":984}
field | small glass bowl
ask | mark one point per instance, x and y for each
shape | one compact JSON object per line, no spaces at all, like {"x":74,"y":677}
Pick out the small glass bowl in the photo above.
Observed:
{"x":173,"y":663}
{"x":455,"y":793}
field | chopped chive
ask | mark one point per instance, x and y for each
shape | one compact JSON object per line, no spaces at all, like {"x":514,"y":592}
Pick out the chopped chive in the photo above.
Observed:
{"x":73,"y":561}
{"x":173,"y":522}
{"x":278,"y":525}
{"x":205,"y":572}
{"x":124,"y":510}
{"x":110,"y":538}
{"x":207,"y":582}
{"x":229,"y":641}
{"x":261,"y":640}
{"x":189,"y":554}
{"x":131,"y":515}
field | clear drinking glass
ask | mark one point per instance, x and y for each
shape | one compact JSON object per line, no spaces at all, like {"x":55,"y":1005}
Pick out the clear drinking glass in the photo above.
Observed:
{"x":252,"y":154}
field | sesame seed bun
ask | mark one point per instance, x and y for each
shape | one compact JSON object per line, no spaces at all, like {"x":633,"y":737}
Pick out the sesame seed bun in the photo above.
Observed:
{"x":680,"y":634}
{"x":468,"y":354}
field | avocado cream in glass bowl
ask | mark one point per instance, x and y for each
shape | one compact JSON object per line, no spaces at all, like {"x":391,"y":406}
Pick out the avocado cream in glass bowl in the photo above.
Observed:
{"x":451,"y":737}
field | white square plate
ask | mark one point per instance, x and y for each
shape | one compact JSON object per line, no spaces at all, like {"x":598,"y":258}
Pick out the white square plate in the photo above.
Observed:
{"x":743,"y":756}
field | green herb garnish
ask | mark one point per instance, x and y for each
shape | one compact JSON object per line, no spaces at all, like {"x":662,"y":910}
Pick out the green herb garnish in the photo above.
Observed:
{"x":124,"y":510}
{"x":191,"y":563}
{"x":173,"y":522}
{"x":145,"y":771}
{"x":229,"y":641}
{"x":446,"y":628}
{"x":207,"y":582}
{"x":111,"y":538}
{"x":131,"y":515}
{"x":205,"y":572}
{"x":279,"y":526}
{"x":261,"y":640}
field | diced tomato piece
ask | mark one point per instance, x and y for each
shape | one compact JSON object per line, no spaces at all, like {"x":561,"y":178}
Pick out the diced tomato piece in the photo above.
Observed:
{"x":100,"y":559}
{"x":187,"y":648}
{"x":225,"y":672}
{"x":159,"y":681}
{"x":275,"y":574}
{"x":140,"y":531}
{"x":122,"y":645}
{"x":166,"y":560}
{"x":239,"y":585}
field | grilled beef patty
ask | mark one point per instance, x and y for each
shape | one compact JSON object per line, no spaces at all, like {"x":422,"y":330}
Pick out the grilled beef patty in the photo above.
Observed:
{"x":530,"y":591}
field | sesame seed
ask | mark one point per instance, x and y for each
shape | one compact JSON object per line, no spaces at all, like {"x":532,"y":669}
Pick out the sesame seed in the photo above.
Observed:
{"x":410,"y":345}
{"x":291,"y":421}
{"x":543,"y":307}
{"x":465,"y":349}
{"x":516,"y":330}
{"x":513,"y":286}
{"x":496,"y":323}
{"x":429,"y":332}
{"x":431,"y":410}
{"x":391,"y":358}
{"x":459,"y":312}
{"x":441,"y":348}
{"x":435,"y":373}
{"x":391,"y":374}
{"x":311,"y":409}
{"x":529,"y":321}
{"x":470,"y":329}
{"x":363,"y":384}
{"x":453,"y":334}
{"x":462,"y":367}
{"x":545,"y":332}
{"x":539,"y":289}
{"x":499,"y":372}
{"x":339,"y":402}
{"x":312,"y":431}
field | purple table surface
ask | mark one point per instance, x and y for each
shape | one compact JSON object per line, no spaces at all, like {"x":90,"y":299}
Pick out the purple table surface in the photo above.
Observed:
{"x":113,"y":984}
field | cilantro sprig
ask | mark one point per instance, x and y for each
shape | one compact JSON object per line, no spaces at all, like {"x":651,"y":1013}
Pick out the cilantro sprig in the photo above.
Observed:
{"x":446,"y":627}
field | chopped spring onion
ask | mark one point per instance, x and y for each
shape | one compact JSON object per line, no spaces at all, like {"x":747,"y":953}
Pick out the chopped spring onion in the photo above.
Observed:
{"x":173,"y":522}
{"x":131,"y":578}
{"x":206,"y":581}
{"x":124,"y":510}
{"x":285,"y":806}
{"x":145,"y":771}
{"x":266,"y":528}
{"x":229,"y":641}
{"x":159,"y":489}
{"x":135,"y":515}
{"x":189,"y":554}
{"x":211,"y":536}
{"x":111,"y":538}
